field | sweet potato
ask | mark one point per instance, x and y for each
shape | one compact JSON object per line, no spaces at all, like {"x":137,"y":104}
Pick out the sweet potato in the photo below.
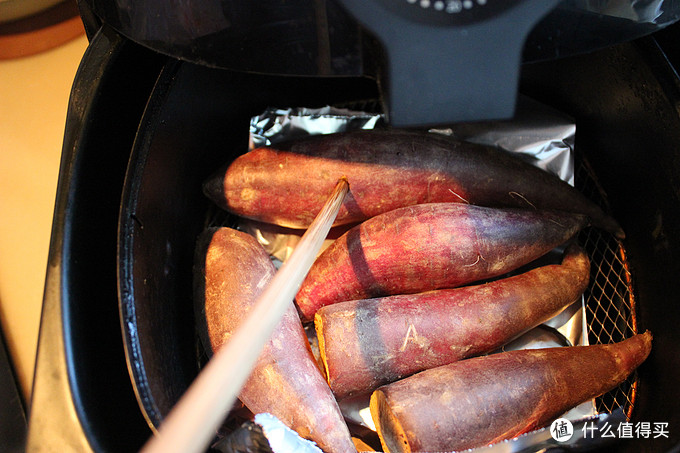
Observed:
{"x":371,"y":342}
{"x":430,"y":246}
{"x":233,"y":269}
{"x":486,"y":399}
{"x":387,"y":169}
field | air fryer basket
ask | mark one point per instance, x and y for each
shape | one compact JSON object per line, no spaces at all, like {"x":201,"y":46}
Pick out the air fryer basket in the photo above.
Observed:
{"x":609,"y":303}
{"x":628,"y":159}
{"x":625,"y":102}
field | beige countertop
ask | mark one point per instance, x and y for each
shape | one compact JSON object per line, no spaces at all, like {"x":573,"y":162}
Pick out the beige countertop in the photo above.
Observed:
{"x":34,"y":93}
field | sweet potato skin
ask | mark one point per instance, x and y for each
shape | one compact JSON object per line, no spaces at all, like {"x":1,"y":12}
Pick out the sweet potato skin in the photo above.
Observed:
{"x":286,"y":380}
{"x":483,"y":400}
{"x":430,"y":246}
{"x":387,"y":169}
{"x":371,"y":342}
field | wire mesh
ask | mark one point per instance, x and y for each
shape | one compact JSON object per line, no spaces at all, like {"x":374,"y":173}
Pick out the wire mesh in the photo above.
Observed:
{"x":609,"y":298}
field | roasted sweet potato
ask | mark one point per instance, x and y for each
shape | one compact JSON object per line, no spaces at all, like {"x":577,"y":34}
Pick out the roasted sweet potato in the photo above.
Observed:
{"x":430,"y":246}
{"x":387,"y":169}
{"x":483,"y":400}
{"x":233,"y":269}
{"x":371,"y":342}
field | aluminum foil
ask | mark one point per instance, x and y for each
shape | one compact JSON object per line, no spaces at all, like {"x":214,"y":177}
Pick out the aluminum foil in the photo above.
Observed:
{"x":656,"y":12}
{"x":541,"y":440}
{"x":275,"y":125}
{"x":538,"y":134}
{"x":283,"y":439}
{"x":264,"y":434}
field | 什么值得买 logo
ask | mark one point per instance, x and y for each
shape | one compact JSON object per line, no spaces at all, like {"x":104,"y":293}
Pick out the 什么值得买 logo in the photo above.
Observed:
{"x":561,"y":430}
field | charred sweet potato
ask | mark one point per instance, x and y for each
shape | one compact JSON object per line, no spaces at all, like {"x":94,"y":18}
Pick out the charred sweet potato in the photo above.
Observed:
{"x":430,"y":246}
{"x":387,"y":169}
{"x":233,"y":269}
{"x":486,"y":399}
{"x":371,"y":342}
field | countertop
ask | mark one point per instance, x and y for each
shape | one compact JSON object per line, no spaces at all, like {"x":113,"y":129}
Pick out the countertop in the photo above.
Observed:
{"x":34,"y":93}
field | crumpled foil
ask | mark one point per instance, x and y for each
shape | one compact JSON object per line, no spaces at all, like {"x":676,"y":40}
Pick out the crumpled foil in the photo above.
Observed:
{"x":265,"y":434}
{"x":541,"y":440}
{"x":538,"y":134}
{"x":657,"y":12}
{"x":275,"y":125}
{"x":281,"y":438}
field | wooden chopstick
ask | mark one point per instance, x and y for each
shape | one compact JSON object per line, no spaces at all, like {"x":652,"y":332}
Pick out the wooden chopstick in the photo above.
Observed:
{"x":193,"y":422}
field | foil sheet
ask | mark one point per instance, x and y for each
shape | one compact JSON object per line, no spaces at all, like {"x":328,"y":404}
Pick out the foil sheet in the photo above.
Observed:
{"x":275,"y":125}
{"x":283,"y":439}
{"x":266,"y":434}
{"x":654,"y":12}
{"x":538,"y":134}
{"x":541,"y":440}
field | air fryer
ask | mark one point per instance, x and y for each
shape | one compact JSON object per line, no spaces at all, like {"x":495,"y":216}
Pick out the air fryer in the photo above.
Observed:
{"x":149,"y":119}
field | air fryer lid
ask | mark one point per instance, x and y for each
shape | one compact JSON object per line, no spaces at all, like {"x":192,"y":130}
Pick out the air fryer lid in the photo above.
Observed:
{"x":322,"y":37}
{"x":291,"y":37}
{"x":456,"y":61}
{"x":438,"y":61}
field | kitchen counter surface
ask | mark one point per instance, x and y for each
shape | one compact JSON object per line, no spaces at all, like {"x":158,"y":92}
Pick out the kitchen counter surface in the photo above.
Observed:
{"x":34,"y":93}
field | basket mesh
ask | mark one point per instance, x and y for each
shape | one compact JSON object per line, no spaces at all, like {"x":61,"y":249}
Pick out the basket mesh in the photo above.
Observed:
{"x":609,"y":301}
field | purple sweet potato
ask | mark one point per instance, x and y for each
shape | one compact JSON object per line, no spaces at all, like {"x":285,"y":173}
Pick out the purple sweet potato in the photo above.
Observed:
{"x":430,"y":246}
{"x":386,"y":169}
{"x":371,"y":342}
{"x":483,"y":400}
{"x":233,"y":269}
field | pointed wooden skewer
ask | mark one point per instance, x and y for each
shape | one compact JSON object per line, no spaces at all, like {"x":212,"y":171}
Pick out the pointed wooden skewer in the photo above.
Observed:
{"x":193,"y":422}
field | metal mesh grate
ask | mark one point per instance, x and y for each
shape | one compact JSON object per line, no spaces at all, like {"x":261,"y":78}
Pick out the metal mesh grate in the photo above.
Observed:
{"x":609,"y":300}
